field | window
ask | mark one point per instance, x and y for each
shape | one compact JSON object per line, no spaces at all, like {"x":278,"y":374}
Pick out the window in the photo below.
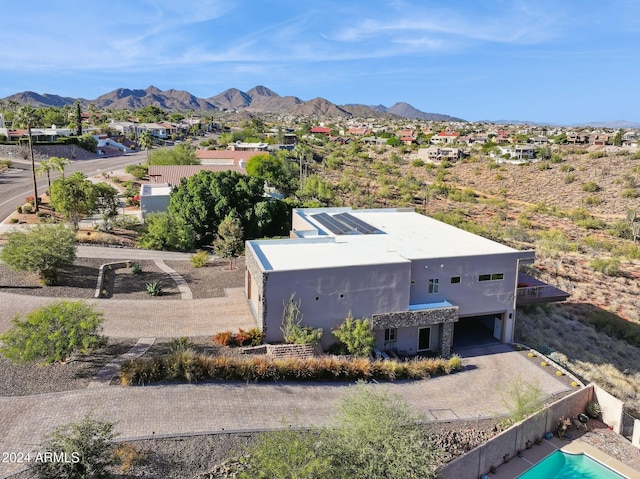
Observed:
{"x":433,"y":285}
{"x":455,"y":280}
{"x":491,"y":277}
{"x":390,"y":334}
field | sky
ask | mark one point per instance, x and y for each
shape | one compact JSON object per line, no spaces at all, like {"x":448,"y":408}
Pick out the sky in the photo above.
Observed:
{"x":549,"y":61}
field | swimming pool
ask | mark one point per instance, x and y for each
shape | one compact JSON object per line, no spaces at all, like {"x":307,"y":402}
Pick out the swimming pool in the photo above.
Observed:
{"x":569,"y":466}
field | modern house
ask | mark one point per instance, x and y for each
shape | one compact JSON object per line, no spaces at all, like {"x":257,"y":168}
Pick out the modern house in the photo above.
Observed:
{"x":420,"y":281}
{"x":154,"y":198}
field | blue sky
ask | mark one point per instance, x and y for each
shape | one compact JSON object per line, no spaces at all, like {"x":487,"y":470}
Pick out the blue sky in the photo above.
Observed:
{"x":561,"y":61}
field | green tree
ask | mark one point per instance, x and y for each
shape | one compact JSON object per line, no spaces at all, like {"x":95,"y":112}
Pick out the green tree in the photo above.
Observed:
{"x":315,"y":188}
{"x":271,"y":218}
{"x":88,"y":447}
{"x":151,"y":114}
{"x":137,"y":171}
{"x":78,"y":119}
{"x":374,"y":436}
{"x":617,"y":139}
{"x":45,"y":168}
{"x":53,"y":333}
{"x":73,"y":197}
{"x":394,"y":141}
{"x":106,"y":203}
{"x":229,"y":243}
{"x":145,"y":140}
{"x":88,"y":142}
{"x":42,"y":249}
{"x":205,"y":199}
{"x":164,"y":231}
{"x":59,"y":164}
{"x":357,"y":336}
{"x":178,"y":155}
{"x":271,"y":169}
{"x":381,"y":438}
{"x":26,"y":116}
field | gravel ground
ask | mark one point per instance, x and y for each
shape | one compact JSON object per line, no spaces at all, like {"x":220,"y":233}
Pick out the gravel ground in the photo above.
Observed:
{"x":206,"y":457}
{"x":210,"y":280}
{"x":121,"y":283}
{"x":31,"y":378}
{"x":76,"y":281}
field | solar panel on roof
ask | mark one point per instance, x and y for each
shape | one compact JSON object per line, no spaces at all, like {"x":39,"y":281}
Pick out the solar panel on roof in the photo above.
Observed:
{"x":333,"y":225}
{"x":356,"y":223}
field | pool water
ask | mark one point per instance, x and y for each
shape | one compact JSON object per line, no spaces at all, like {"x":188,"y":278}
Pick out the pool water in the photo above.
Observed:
{"x":569,"y":466}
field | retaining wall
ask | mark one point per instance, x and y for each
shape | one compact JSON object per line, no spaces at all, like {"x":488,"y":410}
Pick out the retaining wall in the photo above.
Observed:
{"x":285,"y":350}
{"x":506,"y":445}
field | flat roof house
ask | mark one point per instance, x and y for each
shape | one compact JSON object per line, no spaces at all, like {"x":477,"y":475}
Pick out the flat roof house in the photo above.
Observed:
{"x":413,"y":276}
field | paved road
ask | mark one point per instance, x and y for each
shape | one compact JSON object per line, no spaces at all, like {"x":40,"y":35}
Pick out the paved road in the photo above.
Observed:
{"x":209,"y":408}
{"x":17,"y":184}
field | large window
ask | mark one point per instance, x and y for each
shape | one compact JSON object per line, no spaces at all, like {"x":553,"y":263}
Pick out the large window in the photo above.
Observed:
{"x":390,"y":334}
{"x":433,"y":285}
{"x":455,"y":279}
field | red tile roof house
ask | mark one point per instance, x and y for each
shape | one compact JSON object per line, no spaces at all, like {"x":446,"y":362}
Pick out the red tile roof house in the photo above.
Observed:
{"x":321,"y":130}
{"x":446,"y":137}
{"x":172,"y":174}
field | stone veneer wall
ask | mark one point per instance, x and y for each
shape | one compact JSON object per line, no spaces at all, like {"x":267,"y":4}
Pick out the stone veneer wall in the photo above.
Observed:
{"x":445,"y":317}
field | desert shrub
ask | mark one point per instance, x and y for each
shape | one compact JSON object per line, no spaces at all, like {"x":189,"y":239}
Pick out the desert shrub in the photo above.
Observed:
{"x":555,"y":240}
{"x":128,"y":456}
{"x":592,"y":200}
{"x":137,"y":171}
{"x":521,"y":399}
{"x":136,"y":269}
{"x":620,"y":229}
{"x":630,"y":193}
{"x":89,"y":447}
{"x":555,"y":158}
{"x":544,"y":165}
{"x":465,"y":195}
{"x":181,"y":344}
{"x":616,"y":327}
{"x":243,"y":338}
{"x":200,"y":259}
{"x":417,"y":163}
{"x":591,"y":223}
{"x":292,"y":330}
{"x":608,"y":266}
{"x":597,"y":154}
{"x":256,"y":337}
{"x":567,"y":168}
{"x":19,"y":209}
{"x":590,"y":187}
{"x":53,"y":333}
{"x":14,"y":220}
{"x":357,"y":336}
{"x":224,"y":338}
{"x":126,"y":222}
{"x":570,"y":178}
{"x":190,"y":366}
{"x":27,"y":209}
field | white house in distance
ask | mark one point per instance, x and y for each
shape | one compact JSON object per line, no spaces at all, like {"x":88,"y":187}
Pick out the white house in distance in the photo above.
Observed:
{"x":413,"y":276}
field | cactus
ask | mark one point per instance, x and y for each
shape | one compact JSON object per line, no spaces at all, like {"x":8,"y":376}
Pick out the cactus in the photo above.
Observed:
{"x":154,"y":288}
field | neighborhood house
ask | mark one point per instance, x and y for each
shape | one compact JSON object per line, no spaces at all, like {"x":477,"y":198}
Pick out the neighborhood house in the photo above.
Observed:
{"x":420,"y":281}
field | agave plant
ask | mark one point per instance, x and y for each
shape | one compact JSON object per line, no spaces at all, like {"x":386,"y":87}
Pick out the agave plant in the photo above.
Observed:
{"x":136,"y":268}
{"x":593,"y":409}
{"x":154,"y":288}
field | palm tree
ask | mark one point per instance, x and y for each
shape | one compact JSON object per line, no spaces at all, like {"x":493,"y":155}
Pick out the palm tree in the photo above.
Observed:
{"x":59,"y":164}
{"x":302,"y":151}
{"x":45,"y":167}
{"x":26,"y":116}
{"x":146,"y":141}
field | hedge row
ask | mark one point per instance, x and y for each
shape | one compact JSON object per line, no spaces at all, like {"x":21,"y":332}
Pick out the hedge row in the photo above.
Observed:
{"x":192,"y":367}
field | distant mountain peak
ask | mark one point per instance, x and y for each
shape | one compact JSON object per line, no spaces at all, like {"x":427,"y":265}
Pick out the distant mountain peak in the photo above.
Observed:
{"x":261,"y":91}
{"x":259,"y":99}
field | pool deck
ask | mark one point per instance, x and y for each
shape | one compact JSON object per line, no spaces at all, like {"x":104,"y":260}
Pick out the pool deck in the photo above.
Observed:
{"x":530,"y":457}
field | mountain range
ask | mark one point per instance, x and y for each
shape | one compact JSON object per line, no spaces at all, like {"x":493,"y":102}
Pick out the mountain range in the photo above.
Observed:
{"x":259,"y":99}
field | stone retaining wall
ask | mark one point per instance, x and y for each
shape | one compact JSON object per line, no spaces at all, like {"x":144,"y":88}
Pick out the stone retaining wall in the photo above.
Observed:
{"x":285,"y":350}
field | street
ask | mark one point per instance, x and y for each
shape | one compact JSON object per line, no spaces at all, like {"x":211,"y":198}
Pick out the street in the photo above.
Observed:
{"x":17,"y":184}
